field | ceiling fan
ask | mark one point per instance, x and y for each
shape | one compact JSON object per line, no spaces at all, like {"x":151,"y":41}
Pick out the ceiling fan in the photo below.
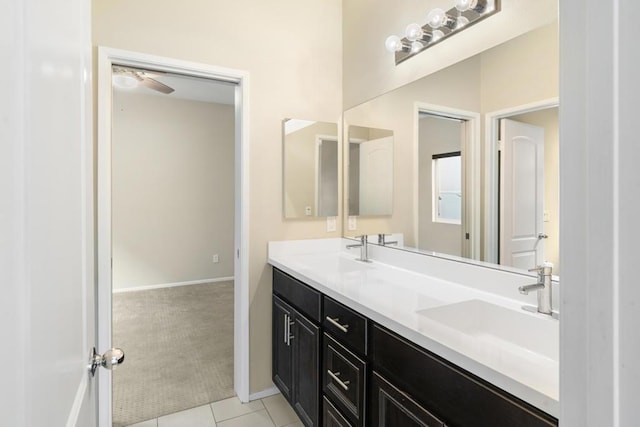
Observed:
{"x":128,"y":77}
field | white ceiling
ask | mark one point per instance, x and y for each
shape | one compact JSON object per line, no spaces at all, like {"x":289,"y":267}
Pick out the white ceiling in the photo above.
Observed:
{"x":188,"y":87}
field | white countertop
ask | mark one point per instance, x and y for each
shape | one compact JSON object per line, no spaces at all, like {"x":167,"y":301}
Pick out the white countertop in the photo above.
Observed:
{"x":406,"y":300}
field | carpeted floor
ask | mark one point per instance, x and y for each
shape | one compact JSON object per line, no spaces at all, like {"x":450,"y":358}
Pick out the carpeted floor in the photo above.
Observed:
{"x":178,"y":345}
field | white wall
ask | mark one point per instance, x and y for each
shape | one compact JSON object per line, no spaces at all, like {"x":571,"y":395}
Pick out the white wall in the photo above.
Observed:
{"x":293,"y":53}
{"x":599,"y":208}
{"x":172,"y":190}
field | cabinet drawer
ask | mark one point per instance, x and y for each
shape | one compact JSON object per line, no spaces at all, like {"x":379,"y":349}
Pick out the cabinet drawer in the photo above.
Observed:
{"x":331,"y":416}
{"x":456,"y":396}
{"x":301,"y":296}
{"x":343,"y":379}
{"x":345,"y":325}
{"x":391,"y":407}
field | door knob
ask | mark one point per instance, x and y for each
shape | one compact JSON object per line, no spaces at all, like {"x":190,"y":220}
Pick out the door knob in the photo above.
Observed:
{"x":542,"y":236}
{"x":109,"y":360}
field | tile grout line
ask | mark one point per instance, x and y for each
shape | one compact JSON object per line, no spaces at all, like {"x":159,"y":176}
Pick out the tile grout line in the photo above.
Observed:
{"x":268,"y":413}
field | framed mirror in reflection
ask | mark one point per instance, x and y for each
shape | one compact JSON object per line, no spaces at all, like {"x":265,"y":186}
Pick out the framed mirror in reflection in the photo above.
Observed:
{"x":370,"y":171}
{"x":484,"y":195}
{"x":310,"y":172}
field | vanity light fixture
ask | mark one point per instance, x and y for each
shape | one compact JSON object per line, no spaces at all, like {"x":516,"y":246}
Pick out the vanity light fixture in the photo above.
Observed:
{"x":440,"y":25}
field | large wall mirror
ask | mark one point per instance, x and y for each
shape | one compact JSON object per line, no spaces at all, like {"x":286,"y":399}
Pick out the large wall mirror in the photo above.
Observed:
{"x":476,"y":156}
{"x":310,"y":158}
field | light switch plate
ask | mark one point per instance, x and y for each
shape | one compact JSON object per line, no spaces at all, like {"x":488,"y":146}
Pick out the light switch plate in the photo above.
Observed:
{"x":546,"y":216}
{"x":352,"y":223}
{"x":331,"y":224}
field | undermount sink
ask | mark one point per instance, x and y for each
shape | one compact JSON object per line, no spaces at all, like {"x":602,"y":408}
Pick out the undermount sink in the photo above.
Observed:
{"x":480,"y":324}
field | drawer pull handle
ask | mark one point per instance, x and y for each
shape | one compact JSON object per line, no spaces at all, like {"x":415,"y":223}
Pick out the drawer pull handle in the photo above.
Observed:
{"x":335,"y":323}
{"x":343,"y":384}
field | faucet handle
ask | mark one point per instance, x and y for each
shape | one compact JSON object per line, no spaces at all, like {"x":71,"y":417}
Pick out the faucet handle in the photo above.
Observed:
{"x":543,"y":269}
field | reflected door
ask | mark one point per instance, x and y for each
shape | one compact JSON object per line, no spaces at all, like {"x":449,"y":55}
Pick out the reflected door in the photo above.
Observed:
{"x":521,"y":194}
{"x":376,"y":176}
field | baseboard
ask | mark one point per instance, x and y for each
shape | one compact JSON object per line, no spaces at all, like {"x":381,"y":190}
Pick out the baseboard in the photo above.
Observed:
{"x":264,"y":393}
{"x":172,"y":285}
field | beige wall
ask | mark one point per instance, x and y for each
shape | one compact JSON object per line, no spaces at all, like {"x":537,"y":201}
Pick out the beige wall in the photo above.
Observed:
{"x":172,"y":190}
{"x":548,"y":120}
{"x":293,"y":52}
{"x":369,"y":70}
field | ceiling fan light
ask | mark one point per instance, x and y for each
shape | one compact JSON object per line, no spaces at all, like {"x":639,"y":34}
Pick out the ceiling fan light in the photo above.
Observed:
{"x":124,"y":81}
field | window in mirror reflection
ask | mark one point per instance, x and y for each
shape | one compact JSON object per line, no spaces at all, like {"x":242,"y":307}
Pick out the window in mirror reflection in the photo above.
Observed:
{"x":447,"y":187}
{"x":310,"y":157}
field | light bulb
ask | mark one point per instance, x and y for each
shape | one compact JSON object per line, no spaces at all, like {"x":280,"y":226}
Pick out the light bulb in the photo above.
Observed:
{"x":413,"y":32}
{"x":436,"y":18}
{"x":463,"y":5}
{"x":436,"y":35}
{"x":416,"y":47}
{"x":461,"y":21}
{"x":393,"y":43}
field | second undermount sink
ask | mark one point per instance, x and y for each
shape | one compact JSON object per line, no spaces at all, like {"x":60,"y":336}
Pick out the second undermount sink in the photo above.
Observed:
{"x":491,"y":325}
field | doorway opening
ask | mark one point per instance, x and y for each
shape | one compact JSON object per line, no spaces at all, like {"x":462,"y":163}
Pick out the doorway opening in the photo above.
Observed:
{"x":447,"y":194}
{"x":159,"y":229}
{"x":522,"y":224}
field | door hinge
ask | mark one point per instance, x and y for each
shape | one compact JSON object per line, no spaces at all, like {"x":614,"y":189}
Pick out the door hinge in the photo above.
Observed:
{"x":466,"y":236}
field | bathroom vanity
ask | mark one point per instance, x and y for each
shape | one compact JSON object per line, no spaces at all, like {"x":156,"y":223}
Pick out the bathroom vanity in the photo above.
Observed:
{"x":383,"y":344}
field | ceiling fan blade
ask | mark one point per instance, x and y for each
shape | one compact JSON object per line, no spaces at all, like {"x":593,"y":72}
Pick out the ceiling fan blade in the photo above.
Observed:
{"x":155,"y":85}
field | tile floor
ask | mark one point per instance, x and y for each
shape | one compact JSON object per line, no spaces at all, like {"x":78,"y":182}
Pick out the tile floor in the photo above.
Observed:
{"x":272,"y":411}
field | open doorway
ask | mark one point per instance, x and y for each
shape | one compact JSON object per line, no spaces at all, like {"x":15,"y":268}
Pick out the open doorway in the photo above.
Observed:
{"x":522,"y":203}
{"x":158,"y":72}
{"x":172,"y":241}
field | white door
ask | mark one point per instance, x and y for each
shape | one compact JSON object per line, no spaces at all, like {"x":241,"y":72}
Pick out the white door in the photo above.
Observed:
{"x":376,"y":176}
{"x":46,"y":162}
{"x":521,"y":194}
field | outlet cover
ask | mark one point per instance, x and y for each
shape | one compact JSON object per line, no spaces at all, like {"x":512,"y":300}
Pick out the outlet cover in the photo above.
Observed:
{"x":352,"y":223}
{"x":215,"y":259}
{"x":331,"y":224}
{"x":307,"y":211}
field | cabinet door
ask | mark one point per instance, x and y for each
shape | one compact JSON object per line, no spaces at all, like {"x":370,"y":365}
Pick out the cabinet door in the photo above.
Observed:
{"x":390,"y":407}
{"x":331,"y":417}
{"x":305,"y":342}
{"x":282,"y":368}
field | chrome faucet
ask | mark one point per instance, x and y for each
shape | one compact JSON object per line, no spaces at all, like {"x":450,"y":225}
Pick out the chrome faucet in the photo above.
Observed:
{"x":543,"y":287}
{"x":364,"y":253}
{"x":382,"y":240}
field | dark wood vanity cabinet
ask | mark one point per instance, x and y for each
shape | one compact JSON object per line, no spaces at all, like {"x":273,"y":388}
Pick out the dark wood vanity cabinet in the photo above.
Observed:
{"x":339,"y":369}
{"x":296,"y":348}
{"x":453,"y":395}
{"x":391,"y":407}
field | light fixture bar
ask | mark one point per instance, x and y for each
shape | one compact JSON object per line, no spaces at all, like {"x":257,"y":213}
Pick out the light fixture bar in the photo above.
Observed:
{"x":461,"y":16}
